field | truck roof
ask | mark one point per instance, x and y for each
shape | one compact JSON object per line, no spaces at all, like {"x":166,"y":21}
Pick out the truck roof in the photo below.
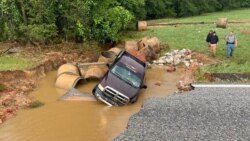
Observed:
{"x":133,"y":64}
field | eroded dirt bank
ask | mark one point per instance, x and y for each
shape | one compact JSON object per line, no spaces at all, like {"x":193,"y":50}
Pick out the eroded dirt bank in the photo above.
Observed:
{"x":17,"y":84}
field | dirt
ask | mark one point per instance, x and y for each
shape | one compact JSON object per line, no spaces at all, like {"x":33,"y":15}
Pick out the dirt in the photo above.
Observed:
{"x":19,"y":83}
{"x":246,"y":32}
{"x":231,"y":77}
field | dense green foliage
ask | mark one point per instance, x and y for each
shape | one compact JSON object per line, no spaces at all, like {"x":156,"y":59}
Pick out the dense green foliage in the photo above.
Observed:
{"x":43,"y":21}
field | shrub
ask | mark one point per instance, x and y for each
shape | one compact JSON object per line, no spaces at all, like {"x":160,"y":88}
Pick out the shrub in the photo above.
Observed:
{"x":108,"y":27}
{"x":36,"y":104}
{"x":41,"y":33}
{"x":2,"y":87}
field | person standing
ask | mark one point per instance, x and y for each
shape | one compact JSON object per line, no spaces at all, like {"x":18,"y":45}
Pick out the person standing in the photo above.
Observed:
{"x":231,"y":42}
{"x":214,"y":39}
{"x":208,"y":39}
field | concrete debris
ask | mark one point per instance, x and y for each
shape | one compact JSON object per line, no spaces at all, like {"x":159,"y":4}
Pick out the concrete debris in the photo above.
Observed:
{"x":182,"y":86}
{"x":176,"y":57}
{"x":171,"y":69}
{"x":158,"y":83}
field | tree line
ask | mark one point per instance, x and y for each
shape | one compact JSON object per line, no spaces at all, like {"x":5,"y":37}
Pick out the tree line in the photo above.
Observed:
{"x":44,"y":21}
{"x":183,"y":8}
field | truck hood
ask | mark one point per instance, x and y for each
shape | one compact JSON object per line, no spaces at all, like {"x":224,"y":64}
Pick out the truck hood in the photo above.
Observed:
{"x":119,"y":85}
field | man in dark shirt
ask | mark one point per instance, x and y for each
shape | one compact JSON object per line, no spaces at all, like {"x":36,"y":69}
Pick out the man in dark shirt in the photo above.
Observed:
{"x":210,"y":33}
{"x":214,"y":39}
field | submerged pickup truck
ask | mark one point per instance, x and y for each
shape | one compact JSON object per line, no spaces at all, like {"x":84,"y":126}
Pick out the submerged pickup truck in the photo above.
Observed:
{"x":122,"y":83}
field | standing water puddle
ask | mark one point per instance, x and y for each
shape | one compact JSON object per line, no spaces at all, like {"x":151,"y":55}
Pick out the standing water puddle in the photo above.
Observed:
{"x":80,"y":120}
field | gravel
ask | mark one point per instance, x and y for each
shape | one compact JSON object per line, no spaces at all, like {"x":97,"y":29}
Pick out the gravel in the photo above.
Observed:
{"x":207,"y":114}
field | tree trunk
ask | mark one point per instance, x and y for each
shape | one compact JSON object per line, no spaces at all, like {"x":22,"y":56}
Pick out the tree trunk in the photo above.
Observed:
{"x":21,"y":9}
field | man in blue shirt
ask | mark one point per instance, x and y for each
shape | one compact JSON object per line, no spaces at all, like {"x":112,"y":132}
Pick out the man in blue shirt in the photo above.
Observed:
{"x":231,"y":44}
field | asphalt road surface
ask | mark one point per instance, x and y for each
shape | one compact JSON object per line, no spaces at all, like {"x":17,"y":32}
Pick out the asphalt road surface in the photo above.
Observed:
{"x":205,"y":114}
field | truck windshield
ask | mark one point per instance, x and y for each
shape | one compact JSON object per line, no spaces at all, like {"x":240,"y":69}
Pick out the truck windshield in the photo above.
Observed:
{"x":126,"y":74}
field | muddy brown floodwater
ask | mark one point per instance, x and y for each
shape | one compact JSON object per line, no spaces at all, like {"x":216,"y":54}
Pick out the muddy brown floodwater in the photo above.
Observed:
{"x":80,"y":120}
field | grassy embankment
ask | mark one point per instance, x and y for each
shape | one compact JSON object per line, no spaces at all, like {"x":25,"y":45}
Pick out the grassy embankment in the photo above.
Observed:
{"x":10,"y":62}
{"x":193,"y":37}
{"x":25,"y":59}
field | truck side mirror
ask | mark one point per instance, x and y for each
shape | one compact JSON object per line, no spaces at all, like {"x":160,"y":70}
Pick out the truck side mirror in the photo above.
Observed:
{"x":144,"y":87}
{"x":108,"y":65}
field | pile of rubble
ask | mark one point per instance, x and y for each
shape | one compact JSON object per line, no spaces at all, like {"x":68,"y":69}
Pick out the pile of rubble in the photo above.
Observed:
{"x":181,"y":57}
{"x":176,"y":57}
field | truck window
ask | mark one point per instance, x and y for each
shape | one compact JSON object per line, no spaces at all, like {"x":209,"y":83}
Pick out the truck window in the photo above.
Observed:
{"x":126,"y":74}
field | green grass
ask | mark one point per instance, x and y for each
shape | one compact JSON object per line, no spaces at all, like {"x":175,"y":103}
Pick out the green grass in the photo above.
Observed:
{"x":2,"y":87}
{"x":36,"y":104}
{"x":12,"y":62}
{"x":193,"y":37}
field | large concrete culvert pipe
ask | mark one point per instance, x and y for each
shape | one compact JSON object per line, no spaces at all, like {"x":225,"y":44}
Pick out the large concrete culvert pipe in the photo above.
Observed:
{"x":68,"y":75}
{"x":95,"y":72}
{"x":68,"y":80}
{"x":109,"y":56}
{"x":69,"y":68}
{"x":153,"y":42}
{"x":106,"y":57}
{"x":115,"y":50}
